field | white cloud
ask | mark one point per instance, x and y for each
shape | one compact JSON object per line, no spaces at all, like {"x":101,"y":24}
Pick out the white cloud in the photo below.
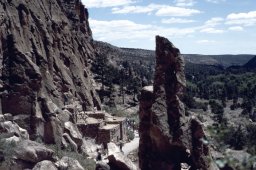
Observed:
{"x":210,"y":26}
{"x":136,"y":9}
{"x":176,"y":21}
{"x":160,"y":10}
{"x":106,"y":3}
{"x":213,"y":22}
{"x":249,"y":15}
{"x":185,"y":3}
{"x":244,"y":22}
{"x":129,"y":30}
{"x":205,"y":41}
{"x":236,"y":28}
{"x":245,"y":19}
{"x":212,"y":30}
{"x":176,"y":11}
{"x":216,"y":1}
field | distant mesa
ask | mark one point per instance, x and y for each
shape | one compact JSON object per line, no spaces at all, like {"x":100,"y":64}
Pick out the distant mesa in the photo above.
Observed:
{"x":225,"y":61}
{"x":251,"y":64}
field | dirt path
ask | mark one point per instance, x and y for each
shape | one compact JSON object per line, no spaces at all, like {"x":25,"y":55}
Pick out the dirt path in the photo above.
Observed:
{"x":132,"y":145}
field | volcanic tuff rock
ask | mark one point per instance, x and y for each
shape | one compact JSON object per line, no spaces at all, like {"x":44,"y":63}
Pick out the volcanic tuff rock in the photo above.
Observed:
{"x":33,"y":152}
{"x":167,"y":137}
{"x":68,"y":163}
{"x":45,"y":165}
{"x":45,"y":52}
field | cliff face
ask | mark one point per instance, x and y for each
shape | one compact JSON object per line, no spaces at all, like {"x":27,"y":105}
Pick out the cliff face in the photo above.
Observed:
{"x":45,"y":52}
{"x":167,"y":137}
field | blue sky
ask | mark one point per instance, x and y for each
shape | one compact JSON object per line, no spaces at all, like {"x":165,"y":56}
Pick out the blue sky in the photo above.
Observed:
{"x":194,"y":26}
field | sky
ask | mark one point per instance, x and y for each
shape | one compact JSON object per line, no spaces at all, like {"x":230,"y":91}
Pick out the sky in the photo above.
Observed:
{"x":193,"y":26}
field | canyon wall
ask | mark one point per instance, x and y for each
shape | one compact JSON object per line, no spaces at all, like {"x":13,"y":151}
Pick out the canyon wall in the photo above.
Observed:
{"x":45,"y":53}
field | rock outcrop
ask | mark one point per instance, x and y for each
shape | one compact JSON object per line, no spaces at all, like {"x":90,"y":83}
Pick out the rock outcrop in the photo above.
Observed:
{"x":45,"y":53}
{"x":33,"y":152}
{"x":168,"y":138}
{"x":117,"y":160}
{"x":102,"y":166}
{"x":69,"y":164}
{"x":43,"y":165}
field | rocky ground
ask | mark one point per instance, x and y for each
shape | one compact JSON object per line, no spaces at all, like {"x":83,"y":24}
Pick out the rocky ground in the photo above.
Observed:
{"x":19,"y":152}
{"x":132,"y":145}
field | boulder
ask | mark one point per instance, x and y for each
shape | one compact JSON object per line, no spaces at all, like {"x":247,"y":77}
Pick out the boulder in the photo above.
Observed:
{"x":65,"y":116}
{"x":2,"y":119}
{"x":117,"y":164}
{"x":12,"y":128}
{"x":72,"y":144}
{"x":13,"y":139}
{"x":17,"y":164}
{"x":45,"y":165}
{"x":51,"y":108}
{"x":23,"y":120}
{"x":33,"y":152}
{"x":8,"y":117}
{"x":117,"y":160}
{"x":74,"y":133}
{"x":102,"y":166}
{"x":68,"y":163}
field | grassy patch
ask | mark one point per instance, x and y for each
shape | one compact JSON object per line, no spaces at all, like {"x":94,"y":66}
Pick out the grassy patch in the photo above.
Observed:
{"x":87,"y":164}
{"x":7,"y":150}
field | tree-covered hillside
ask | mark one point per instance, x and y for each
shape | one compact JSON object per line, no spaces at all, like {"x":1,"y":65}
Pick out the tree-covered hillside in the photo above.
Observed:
{"x":124,"y":71}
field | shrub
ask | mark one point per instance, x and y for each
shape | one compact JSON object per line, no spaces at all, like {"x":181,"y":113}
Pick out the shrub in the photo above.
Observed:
{"x":251,"y":137}
{"x":216,"y":107}
{"x":86,"y":163}
{"x":7,"y":150}
{"x":191,"y":103}
{"x":130,"y":135}
{"x":236,"y":137}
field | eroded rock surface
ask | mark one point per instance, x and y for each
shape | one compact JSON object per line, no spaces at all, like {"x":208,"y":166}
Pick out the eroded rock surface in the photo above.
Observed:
{"x":13,"y":129}
{"x":69,"y":164}
{"x":45,"y":165}
{"x":45,"y":53}
{"x":33,"y":152}
{"x":167,"y":137}
{"x":118,"y":160}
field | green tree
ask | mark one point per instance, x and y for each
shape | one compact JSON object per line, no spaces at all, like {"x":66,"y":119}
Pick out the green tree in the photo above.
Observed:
{"x":123,"y":82}
{"x":100,"y":67}
{"x":134,"y":86}
{"x":218,"y":111}
{"x":247,"y":106}
{"x":236,"y":137}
